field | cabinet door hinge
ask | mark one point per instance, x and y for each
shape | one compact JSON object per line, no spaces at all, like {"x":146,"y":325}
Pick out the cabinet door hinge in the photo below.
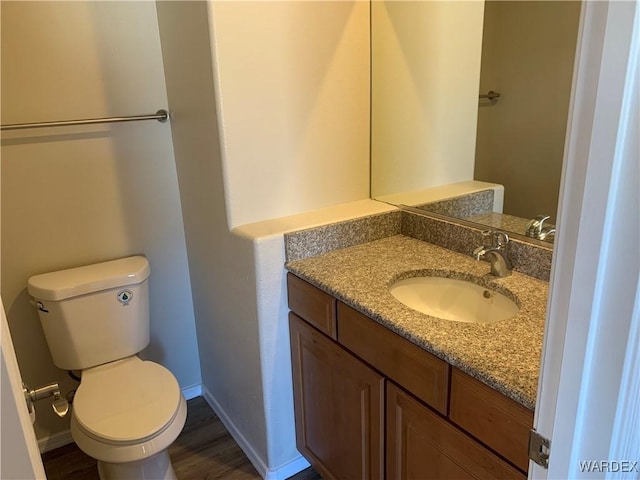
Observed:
{"x":539,"y":448}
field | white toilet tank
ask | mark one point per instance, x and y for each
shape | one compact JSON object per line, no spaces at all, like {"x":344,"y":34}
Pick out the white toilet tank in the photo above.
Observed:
{"x":94,"y":314}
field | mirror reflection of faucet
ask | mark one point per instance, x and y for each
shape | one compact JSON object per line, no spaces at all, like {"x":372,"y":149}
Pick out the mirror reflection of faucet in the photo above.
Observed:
{"x":494,"y":250}
{"x":537,"y":229}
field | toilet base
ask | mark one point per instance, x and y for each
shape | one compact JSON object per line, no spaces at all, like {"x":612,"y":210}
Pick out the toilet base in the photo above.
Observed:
{"x":156,"y":467}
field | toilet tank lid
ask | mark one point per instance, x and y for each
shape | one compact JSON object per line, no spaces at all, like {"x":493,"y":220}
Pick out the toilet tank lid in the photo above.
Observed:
{"x":89,"y":279}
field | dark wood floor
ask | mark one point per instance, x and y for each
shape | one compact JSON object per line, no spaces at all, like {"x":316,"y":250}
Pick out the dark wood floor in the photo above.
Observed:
{"x":203,"y":451}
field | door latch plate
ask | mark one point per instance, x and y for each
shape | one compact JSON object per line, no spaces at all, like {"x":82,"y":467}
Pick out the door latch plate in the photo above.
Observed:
{"x":539,"y":448}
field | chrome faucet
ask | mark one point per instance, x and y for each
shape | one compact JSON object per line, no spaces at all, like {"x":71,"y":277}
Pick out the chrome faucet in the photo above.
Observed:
{"x":537,"y":229}
{"x":494,"y":249}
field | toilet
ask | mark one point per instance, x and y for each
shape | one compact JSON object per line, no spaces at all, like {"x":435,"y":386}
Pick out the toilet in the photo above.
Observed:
{"x":126,"y":411}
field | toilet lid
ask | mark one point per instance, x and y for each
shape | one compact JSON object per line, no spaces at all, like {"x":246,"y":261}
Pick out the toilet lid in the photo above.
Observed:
{"x":126,"y":401}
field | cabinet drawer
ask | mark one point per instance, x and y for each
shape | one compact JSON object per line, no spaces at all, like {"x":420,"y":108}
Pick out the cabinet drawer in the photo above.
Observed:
{"x":497,"y":421}
{"x":312,"y":304}
{"x":418,"y":371}
{"x":421,"y":444}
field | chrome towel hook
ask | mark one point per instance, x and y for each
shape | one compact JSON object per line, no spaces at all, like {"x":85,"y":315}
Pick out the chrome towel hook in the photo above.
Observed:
{"x":491,"y":95}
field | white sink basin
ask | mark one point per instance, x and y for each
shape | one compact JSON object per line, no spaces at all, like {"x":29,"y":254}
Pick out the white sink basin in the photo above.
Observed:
{"x":453,"y":299}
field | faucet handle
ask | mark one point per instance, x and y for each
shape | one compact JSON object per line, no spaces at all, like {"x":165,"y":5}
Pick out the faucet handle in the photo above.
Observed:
{"x":547,"y":233}
{"x":500,"y":239}
{"x":494,"y":238}
{"x":487,"y":238}
{"x":534,"y":227}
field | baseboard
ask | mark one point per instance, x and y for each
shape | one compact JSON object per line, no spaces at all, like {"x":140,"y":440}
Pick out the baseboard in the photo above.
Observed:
{"x":242,"y":442}
{"x":289,"y":469}
{"x":192,"y":392}
{"x":57,"y":440}
{"x":281,"y":473}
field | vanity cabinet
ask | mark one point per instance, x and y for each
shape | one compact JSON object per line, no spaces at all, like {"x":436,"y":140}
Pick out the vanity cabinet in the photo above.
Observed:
{"x":369,"y":404}
{"x":422,"y":445}
{"x":315,"y":306}
{"x":418,"y":371}
{"x":339,"y":403}
{"x":492,"y":418}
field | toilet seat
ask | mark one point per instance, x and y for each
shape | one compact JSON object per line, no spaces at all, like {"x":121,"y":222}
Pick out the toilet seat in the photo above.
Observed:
{"x":126,"y":402}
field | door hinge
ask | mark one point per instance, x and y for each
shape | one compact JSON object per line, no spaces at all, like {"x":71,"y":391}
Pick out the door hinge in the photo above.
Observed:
{"x":539,"y":448}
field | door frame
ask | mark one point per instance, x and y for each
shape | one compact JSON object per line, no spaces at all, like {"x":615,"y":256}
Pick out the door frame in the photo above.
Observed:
{"x":590,"y":362}
{"x":20,"y":453}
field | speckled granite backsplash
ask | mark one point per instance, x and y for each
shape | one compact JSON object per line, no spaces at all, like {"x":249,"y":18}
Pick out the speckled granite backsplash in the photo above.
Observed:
{"x":532,"y":260}
{"x":529,"y":259}
{"x":318,"y":240}
{"x":477,"y":203}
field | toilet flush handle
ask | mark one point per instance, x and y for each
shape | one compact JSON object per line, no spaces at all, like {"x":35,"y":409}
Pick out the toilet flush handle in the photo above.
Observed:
{"x":39,"y":306}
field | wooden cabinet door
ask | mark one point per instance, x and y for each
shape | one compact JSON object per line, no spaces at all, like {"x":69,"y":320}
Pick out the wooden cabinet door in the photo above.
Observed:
{"x":421,"y":445}
{"x":418,"y":371}
{"x":339,"y":404}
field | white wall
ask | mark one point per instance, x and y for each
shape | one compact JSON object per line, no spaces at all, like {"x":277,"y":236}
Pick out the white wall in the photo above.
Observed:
{"x":293,"y":79}
{"x":221,"y":265}
{"x":275,"y":126}
{"x":78,"y":195}
{"x":425,"y":77}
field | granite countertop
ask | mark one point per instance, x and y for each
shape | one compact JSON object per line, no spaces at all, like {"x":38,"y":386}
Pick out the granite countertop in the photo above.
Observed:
{"x":504,"y":355}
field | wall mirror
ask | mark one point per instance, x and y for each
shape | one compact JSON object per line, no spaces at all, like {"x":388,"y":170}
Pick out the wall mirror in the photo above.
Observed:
{"x":469,"y":94}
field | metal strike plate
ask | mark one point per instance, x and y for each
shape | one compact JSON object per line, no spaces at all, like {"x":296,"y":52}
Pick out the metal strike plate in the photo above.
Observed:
{"x":539,"y":449}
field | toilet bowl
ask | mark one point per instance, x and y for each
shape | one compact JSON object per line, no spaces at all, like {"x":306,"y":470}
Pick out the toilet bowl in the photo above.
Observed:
{"x":125,"y":415}
{"x":126,"y":411}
